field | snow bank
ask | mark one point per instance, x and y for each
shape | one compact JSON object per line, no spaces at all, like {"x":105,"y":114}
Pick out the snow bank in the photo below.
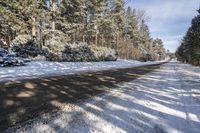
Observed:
{"x":37,"y":69}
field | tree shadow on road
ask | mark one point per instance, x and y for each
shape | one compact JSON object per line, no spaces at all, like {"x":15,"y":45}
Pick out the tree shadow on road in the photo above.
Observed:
{"x":24,"y":100}
{"x":21,"y":101}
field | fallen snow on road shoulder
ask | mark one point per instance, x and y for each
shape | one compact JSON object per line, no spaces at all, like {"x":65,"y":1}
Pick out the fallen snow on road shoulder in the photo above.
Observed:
{"x":37,"y":69}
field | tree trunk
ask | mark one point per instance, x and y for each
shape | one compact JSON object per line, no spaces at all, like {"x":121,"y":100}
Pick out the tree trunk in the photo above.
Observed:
{"x":96,"y":39}
{"x":53,"y":19}
{"x":83,"y":38}
{"x":102,"y":40}
{"x":33,"y":27}
{"x":117,"y":41}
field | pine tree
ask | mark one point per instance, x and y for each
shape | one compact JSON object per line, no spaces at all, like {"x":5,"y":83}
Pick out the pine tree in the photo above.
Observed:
{"x":132,"y":24}
{"x":144,"y":33}
{"x":19,"y":17}
{"x":158,"y":49}
{"x":189,"y":51}
{"x":112,"y":24}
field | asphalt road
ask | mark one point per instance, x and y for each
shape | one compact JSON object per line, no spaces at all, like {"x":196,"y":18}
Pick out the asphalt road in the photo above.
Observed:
{"x":21,"y":101}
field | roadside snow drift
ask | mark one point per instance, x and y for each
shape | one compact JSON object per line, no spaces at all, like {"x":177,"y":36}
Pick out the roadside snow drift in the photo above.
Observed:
{"x":38,"y":69}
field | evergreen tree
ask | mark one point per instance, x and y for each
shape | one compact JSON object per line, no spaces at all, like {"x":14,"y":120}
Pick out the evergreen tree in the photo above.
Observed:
{"x":132,"y":24}
{"x":189,"y":51}
{"x":18,"y":17}
{"x":124,"y":29}
{"x":158,"y":49}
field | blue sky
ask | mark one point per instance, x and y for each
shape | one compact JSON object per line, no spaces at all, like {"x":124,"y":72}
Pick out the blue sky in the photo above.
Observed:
{"x":170,"y":19}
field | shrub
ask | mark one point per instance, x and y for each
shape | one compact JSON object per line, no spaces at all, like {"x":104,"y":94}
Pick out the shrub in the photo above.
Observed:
{"x":25,"y":46}
{"x":79,"y":52}
{"x":8,"y":59}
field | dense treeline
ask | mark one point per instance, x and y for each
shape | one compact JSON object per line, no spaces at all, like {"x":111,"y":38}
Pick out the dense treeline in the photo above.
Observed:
{"x":101,"y":22}
{"x":189,"y":51}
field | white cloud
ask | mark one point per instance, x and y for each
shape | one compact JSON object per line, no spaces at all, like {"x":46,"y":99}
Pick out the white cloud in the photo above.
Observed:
{"x":172,"y":42}
{"x":169,"y":18}
{"x":171,"y":9}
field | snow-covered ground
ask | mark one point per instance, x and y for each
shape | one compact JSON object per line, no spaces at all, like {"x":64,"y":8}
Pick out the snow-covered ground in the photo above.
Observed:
{"x":37,"y":69}
{"x":165,"y":100}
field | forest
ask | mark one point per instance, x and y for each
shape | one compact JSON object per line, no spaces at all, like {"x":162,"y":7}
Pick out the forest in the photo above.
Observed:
{"x":77,"y":30}
{"x":189,"y":51}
